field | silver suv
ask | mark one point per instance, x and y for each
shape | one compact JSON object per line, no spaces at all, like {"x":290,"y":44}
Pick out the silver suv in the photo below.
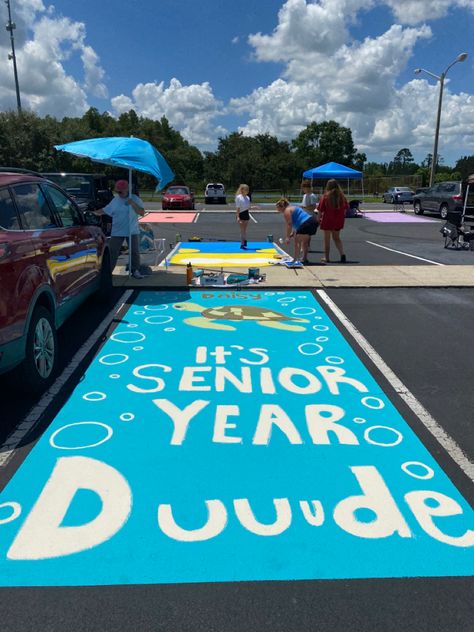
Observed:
{"x":442,"y":198}
{"x":214,"y":193}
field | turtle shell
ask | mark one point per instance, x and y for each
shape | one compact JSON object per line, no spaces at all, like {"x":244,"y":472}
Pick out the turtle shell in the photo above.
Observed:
{"x":242,"y":312}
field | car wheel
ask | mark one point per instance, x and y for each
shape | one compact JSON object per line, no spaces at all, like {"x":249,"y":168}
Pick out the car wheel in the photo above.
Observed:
{"x":417,"y":208}
{"x":41,"y":353}
{"x":443,"y":211}
{"x":392,"y":200}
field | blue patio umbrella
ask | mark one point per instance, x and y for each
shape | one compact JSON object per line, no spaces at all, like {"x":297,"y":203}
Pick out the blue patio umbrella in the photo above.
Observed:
{"x":122,"y":151}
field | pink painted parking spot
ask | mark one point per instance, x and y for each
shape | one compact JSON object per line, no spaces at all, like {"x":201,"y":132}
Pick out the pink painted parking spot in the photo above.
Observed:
{"x":396,"y":218}
{"x":164,"y":218}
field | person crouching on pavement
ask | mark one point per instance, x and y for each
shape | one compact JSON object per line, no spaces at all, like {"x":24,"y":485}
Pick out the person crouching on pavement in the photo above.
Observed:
{"x":124,"y":211}
{"x":300,"y":225}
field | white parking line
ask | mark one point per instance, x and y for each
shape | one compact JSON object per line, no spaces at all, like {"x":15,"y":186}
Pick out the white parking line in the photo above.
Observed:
{"x":400,"y":252}
{"x":253,"y":218}
{"x":196,"y":217}
{"x":32,"y":418}
{"x":447,"y":442}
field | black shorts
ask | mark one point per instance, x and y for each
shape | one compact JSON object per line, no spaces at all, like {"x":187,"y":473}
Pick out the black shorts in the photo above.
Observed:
{"x":309,"y":227}
{"x":244,"y":216}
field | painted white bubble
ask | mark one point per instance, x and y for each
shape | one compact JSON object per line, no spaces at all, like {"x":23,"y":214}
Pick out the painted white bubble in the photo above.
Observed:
{"x":310,"y":348}
{"x":286,"y":299}
{"x":303,"y":311}
{"x":156,"y":308}
{"x":94,"y":396}
{"x":132,"y":325}
{"x":359,"y":420}
{"x":128,"y":337}
{"x":15,"y":512}
{"x":113,"y":358}
{"x":320,"y":327}
{"x":270,"y":293}
{"x":114,"y":376}
{"x":169,"y":329}
{"x":334,"y":360}
{"x":138,"y":348}
{"x":318,"y":318}
{"x":373,"y":402}
{"x":139,"y":313}
{"x":322,"y":339}
{"x":302,"y":297}
{"x":108,"y":434}
{"x":385,"y":429}
{"x":158,"y":320}
{"x":426,"y":473}
{"x":127,"y":417}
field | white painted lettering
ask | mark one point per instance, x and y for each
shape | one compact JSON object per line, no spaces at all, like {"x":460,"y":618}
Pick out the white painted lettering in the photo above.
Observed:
{"x":221,"y":425}
{"x":322,"y":419}
{"x":314,"y":516}
{"x":286,"y":375}
{"x":180,"y":417}
{"x":445,"y":506}
{"x":190,"y":379}
{"x":42,"y":536}
{"x":333,"y":376}
{"x":247,"y":519}
{"x":272,"y":415}
{"x":160,"y":384}
{"x":216,"y":523}
{"x":244,"y":384}
{"x":386,"y":519}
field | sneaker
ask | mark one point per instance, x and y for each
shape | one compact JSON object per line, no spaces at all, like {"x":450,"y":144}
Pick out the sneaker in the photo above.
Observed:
{"x":243,"y":247}
{"x":137,"y":275}
{"x":343,"y":259}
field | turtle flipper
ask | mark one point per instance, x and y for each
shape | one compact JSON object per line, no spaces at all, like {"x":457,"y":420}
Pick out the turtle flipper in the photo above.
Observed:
{"x":278,"y":324}
{"x":205,"y":323}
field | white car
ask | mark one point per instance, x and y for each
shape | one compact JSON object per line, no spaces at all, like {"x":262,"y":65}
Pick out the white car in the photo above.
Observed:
{"x":214,"y":193}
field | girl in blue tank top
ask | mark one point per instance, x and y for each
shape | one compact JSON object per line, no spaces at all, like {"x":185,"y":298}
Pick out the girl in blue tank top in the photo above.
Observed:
{"x":300,"y":225}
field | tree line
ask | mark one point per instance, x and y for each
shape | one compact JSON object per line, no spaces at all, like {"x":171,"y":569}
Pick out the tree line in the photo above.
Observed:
{"x":262,"y":161}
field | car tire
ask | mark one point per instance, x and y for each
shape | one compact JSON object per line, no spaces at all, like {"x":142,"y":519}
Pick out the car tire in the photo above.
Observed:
{"x":417,"y":208}
{"x":443,"y":211}
{"x":38,"y":369}
{"x":392,"y":200}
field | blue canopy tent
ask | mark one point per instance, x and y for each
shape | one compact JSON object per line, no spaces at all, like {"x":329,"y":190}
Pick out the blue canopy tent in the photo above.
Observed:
{"x":123,"y":151}
{"x":336,"y":171}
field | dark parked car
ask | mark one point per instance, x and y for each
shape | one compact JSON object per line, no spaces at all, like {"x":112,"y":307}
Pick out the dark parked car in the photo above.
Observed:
{"x":89,"y":190}
{"x":398,"y":195}
{"x":443,"y":198}
{"x":52,"y":257}
{"x":178,"y":197}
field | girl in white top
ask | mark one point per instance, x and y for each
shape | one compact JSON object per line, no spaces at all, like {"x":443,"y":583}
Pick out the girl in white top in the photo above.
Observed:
{"x":242,"y":207}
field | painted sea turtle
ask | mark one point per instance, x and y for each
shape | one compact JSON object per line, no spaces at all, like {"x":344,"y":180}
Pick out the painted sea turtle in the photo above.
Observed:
{"x":212,"y":317}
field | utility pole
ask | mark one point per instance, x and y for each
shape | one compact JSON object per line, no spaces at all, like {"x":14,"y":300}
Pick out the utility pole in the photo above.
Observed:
{"x":11,"y":26}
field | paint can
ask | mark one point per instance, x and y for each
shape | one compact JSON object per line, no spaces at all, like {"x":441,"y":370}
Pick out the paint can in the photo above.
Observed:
{"x":270,"y":238}
{"x":254,"y":273}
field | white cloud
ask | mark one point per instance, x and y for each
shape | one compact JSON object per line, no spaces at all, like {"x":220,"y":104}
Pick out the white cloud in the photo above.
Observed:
{"x":327,"y":76}
{"x":189,"y":109}
{"x":44,"y":41}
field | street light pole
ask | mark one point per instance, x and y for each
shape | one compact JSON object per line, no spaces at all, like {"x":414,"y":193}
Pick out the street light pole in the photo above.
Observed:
{"x":11,"y":26}
{"x":441,"y":78}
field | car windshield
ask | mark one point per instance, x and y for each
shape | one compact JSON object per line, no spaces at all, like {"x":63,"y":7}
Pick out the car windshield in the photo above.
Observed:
{"x":77,"y":185}
{"x":177,"y":191}
{"x":404,"y":189}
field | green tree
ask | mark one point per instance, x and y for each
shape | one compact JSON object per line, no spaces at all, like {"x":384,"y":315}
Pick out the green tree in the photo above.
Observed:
{"x":324,"y":142}
{"x":465,"y":166}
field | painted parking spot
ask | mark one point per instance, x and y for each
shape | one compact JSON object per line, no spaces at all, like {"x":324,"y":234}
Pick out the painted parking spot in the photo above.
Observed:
{"x":168,"y":217}
{"x":396,"y":218}
{"x":226,"y":253}
{"x":229,"y":436}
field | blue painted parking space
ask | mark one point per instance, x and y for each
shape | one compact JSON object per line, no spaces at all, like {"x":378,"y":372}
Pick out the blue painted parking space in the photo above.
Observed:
{"x":228,"y":436}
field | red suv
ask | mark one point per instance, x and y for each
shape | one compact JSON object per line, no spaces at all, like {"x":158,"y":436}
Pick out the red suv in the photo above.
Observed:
{"x":51,"y":260}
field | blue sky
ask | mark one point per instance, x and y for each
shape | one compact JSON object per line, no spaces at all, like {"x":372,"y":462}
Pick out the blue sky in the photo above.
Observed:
{"x":271,"y":66}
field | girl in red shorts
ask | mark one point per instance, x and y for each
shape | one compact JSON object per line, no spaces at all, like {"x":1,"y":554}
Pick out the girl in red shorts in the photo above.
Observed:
{"x":332,"y":212}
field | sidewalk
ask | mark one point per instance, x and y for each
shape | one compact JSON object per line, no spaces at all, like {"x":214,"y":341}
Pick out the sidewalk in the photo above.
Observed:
{"x":333,"y":275}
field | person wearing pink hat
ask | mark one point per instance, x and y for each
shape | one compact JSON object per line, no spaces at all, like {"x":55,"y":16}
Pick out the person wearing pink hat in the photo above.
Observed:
{"x":124,"y":210}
